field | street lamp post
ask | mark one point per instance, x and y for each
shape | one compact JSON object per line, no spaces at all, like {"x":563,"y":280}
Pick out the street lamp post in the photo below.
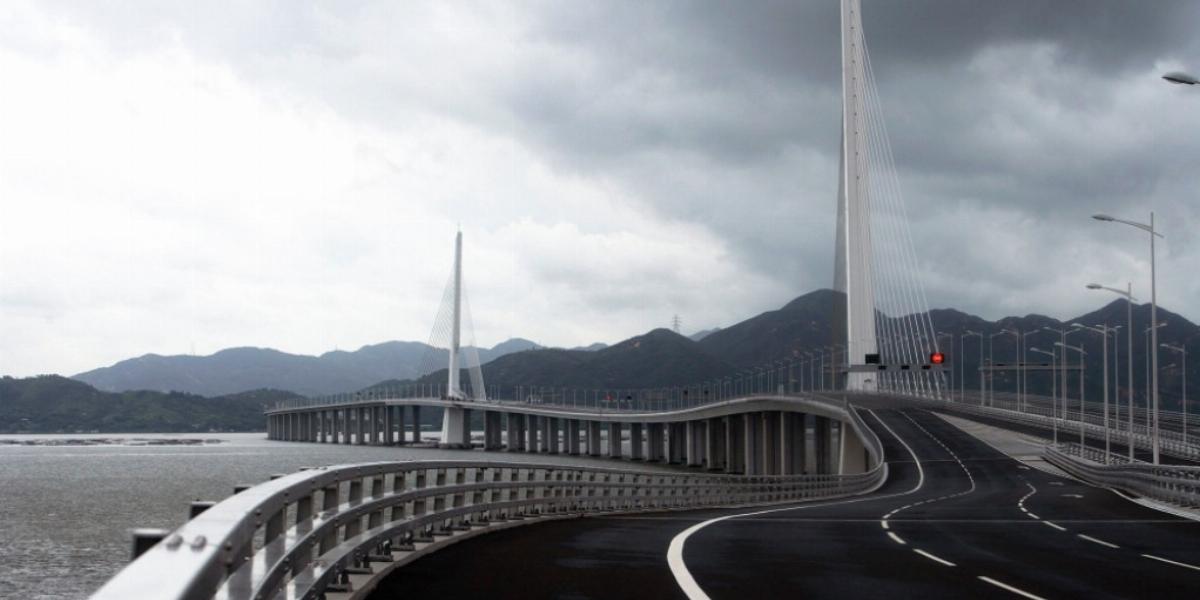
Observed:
{"x":1127,"y":293}
{"x":1082,"y":370}
{"x":1103,"y":330}
{"x":1183,"y":371}
{"x":1053,"y":391}
{"x":1148,"y":228}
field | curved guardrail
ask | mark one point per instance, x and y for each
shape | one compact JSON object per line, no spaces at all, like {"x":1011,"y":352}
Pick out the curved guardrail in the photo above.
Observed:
{"x":1170,"y":443}
{"x":1179,"y":485}
{"x":305,"y":534}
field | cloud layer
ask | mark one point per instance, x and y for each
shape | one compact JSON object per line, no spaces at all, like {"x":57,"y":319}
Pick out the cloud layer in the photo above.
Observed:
{"x":179,"y":176}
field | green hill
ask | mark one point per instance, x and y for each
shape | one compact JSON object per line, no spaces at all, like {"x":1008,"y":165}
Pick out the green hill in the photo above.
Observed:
{"x":53,"y":404}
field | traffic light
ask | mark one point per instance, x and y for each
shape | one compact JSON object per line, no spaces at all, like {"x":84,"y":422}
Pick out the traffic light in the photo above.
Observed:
{"x":937,"y":358}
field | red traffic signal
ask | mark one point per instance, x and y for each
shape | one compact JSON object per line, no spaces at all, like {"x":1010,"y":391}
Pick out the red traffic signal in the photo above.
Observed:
{"x":937,"y":358}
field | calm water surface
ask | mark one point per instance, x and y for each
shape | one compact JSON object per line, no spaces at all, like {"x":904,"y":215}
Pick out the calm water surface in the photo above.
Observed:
{"x":66,"y":511}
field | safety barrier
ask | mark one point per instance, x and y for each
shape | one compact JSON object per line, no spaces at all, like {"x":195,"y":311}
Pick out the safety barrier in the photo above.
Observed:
{"x":1179,"y":485}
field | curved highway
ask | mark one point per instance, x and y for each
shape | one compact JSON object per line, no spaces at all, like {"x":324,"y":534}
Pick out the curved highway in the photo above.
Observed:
{"x":957,"y":518}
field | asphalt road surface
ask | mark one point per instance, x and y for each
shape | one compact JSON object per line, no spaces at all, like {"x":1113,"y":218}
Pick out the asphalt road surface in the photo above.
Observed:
{"x":956,"y":519}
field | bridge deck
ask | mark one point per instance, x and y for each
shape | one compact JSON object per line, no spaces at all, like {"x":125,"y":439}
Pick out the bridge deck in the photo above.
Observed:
{"x":972,"y":512}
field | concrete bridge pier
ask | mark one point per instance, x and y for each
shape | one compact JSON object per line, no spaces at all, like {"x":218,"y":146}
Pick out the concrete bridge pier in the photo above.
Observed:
{"x":654,"y":447}
{"x":614,"y":440}
{"x":551,"y":432}
{"x":635,"y":441}
{"x":696,"y":446}
{"x":400,"y":425}
{"x":514,"y":429}
{"x":770,"y":442}
{"x":417,"y":424}
{"x":822,"y":439}
{"x":752,"y":426}
{"x":792,"y":434}
{"x":360,"y":426}
{"x":674,"y":443}
{"x":593,"y":438}
{"x":493,"y":423}
{"x":573,"y":437}
{"x":714,"y":444}
{"x":852,"y":455}
{"x":531,"y":433}
{"x":454,"y":423}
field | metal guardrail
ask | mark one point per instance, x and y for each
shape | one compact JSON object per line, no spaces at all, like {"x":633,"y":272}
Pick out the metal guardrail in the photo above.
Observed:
{"x":1170,"y":443}
{"x":1178,"y":485}
{"x":305,"y":534}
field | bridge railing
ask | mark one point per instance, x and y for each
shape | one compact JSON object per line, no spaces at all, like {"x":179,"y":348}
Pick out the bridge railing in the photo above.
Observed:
{"x":311,"y":532}
{"x":1179,"y":485}
{"x":1170,"y":442}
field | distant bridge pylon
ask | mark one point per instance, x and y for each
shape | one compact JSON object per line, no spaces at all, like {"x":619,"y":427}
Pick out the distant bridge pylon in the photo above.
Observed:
{"x":882,"y":316}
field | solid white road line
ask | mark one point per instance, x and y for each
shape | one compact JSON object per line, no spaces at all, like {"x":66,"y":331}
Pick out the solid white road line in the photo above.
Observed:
{"x":1101,"y":542}
{"x":1010,"y":588}
{"x":1058,"y":527}
{"x":679,"y":569}
{"x":1171,"y":562}
{"x":933,"y":558}
{"x":1032,"y":515}
{"x":883,"y":524}
{"x":896,"y":538}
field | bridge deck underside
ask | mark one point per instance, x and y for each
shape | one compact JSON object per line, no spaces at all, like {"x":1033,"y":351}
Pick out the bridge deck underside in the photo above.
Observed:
{"x":756,"y":442}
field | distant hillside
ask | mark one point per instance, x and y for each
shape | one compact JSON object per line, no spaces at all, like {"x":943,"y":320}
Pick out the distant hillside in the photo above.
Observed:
{"x":53,"y":404}
{"x":238,"y":369}
{"x":658,"y":358}
{"x":802,"y":324}
{"x":699,"y":335}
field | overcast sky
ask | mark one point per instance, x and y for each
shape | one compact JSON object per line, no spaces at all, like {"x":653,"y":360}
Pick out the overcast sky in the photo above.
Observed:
{"x":182,"y":177}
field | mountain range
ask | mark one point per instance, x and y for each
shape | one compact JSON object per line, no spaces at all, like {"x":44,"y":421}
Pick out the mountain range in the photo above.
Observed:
{"x":233,"y":379}
{"x":236,"y":370}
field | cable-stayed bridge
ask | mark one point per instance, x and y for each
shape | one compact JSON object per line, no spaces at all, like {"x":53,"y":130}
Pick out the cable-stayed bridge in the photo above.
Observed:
{"x":878,"y":482}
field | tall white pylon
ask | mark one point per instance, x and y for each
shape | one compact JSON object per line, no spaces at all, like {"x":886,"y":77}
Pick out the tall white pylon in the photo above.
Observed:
{"x":453,"y":389}
{"x":454,"y":418}
{"x":854,"y":322}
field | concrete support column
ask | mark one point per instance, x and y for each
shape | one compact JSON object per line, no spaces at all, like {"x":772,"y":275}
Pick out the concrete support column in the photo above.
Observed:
{"x":360,"y":423}
{"x":544,"y":435}
{"x":552,"y":431}
{"x":752,"y":426}
{"x":654,"y":449}
{"x":466,"y":428}
{"x":346,"y":412}
{"x":453,"y":424}
{"x":374,"y":436}
{"x":531,"y":433}
{"x":791,"y":442}
{"x":770,"y":442}
{"x":614,"y":440}
{"x":491,"y":430}
{"x":822,"y":437}
{"x":636,"y":443}
{"x":695,"y":443}
{"x":573,"y":437}
{"x":388,"y":425}
{"x":593,"y":438}
{"x":675,"y":437}
{"x":512,"y":431}
{"x":853,"y":456}
{"x":416,"y":426}
{"x":400,"y":433}
{"x":714,"y":444}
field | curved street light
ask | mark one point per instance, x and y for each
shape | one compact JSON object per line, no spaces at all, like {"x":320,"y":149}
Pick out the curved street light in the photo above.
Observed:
{"x":1180,"y":78}
{"x":1148,"y":228}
